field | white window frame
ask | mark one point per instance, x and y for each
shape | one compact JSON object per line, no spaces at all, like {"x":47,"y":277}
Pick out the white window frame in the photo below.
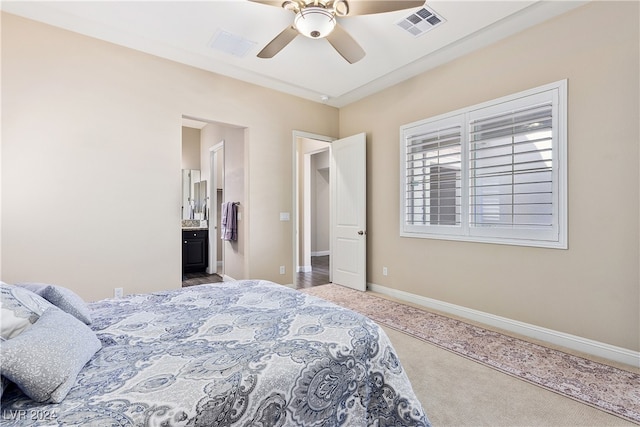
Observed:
{"x":556,"y":236}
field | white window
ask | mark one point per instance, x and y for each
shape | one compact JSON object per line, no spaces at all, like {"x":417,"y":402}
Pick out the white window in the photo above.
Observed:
{"x":494,"y":172}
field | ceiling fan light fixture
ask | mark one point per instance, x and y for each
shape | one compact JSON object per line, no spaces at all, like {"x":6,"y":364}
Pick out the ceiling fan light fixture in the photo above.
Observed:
{"x":315,"y":22}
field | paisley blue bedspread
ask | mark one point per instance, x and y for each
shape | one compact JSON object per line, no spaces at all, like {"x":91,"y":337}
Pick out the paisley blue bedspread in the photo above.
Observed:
{"x":246,"y":353}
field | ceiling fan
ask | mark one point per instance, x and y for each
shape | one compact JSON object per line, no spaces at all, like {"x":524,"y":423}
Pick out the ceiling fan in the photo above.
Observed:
{"x":316,"y":19}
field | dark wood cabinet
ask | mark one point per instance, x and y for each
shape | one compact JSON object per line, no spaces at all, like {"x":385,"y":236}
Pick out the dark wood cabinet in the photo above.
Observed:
{"x":195,"y":250}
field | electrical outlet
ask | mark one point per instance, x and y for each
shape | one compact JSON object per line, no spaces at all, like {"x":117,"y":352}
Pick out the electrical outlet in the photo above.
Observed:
{"x":282,"y":269}
{"x":385,"y":271}
{"x":118,"y":292}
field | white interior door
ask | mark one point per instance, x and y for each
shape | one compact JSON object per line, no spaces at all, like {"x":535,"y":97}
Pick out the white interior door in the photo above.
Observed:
{"x":349,"y":212}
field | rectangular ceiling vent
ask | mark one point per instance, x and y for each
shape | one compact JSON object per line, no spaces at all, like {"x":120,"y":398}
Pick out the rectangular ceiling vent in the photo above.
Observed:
{"x":231,"y":43}
{"x":420,"y":22}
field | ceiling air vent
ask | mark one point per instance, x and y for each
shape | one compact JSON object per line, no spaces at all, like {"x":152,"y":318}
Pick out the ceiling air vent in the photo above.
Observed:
{"x":231,"y":43}
{"x":420,"y":22}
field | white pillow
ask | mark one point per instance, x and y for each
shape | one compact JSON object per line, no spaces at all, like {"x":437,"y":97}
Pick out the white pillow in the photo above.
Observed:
{"x":63,"y":298}
{"x":19,"y":309}
{"x":44,"y":361}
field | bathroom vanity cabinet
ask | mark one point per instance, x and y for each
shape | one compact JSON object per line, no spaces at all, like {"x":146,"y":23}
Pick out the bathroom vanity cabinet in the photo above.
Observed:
{"x":195,"y":250}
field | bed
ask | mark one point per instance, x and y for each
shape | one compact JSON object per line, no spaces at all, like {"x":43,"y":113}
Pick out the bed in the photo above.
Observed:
{"x":245,"y":353}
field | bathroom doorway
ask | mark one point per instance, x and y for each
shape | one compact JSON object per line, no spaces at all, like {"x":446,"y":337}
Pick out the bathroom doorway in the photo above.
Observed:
{"x":217,"y":150}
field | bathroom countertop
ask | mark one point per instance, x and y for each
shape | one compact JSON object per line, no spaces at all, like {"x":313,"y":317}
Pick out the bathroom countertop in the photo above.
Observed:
{"x":194,"y":228}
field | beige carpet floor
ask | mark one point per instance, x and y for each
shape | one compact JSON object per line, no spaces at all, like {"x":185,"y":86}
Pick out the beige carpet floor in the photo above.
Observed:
{"x":457,"y":391}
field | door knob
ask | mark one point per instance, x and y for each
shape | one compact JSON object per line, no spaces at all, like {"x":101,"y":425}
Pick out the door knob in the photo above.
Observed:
{"x":361,"y":232}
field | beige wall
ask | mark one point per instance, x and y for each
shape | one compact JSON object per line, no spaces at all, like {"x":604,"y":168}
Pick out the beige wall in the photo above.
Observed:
{"x":591,"y":289}
{"x":320,"y":202}
{"x":231,"y":173}
{"x":235,"y":175}
{"x":91,"y":140}
{"x":191,"y":149}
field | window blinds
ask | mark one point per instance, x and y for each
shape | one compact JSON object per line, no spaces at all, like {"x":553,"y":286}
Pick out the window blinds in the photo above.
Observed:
{"x":433,"y":181}
{"x":511,"y":169}
{"x":495,"y":172}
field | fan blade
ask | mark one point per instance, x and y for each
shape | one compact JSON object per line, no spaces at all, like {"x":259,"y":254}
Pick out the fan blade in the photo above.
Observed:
{"x":345,"y":45}
{"x":293,"y":5}
{"x":277,"y":3}
{"x":369,"y":7}
{"x":278,"y":43}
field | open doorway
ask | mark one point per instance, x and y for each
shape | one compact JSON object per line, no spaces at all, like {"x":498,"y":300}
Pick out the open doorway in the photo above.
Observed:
{"x":217,"y":151}
{"x":347,"y":208}
{"x":312,"y":195}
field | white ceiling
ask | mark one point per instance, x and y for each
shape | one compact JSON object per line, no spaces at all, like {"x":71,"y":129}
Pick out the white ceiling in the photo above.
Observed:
{"x":183,"y":31}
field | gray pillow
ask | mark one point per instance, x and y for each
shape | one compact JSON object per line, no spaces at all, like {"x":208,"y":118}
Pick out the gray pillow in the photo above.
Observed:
{"x":19,"y":309}
{"x":63,"y":298}
{"x":44,"y":361}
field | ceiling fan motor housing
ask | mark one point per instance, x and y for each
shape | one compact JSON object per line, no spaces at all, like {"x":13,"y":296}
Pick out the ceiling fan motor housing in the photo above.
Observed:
{"x":315,"y":22}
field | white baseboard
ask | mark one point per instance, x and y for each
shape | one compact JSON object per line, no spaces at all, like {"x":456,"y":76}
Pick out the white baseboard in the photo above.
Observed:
{"x":226,"y":278}
{"x":304,"y":269}
{"x":585,"y":345}
{"x":321,"y":253}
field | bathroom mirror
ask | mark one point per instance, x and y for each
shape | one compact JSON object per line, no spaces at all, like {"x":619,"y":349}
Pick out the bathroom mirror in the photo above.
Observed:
{"x":194,"y":195}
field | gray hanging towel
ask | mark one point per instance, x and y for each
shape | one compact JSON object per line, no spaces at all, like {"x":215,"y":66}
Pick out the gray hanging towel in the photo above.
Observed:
{"x":229,"y":221}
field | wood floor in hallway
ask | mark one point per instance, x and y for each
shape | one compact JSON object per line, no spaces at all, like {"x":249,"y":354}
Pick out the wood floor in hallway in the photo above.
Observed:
{"x":319,"y":275}
{"x":191,"y":279}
